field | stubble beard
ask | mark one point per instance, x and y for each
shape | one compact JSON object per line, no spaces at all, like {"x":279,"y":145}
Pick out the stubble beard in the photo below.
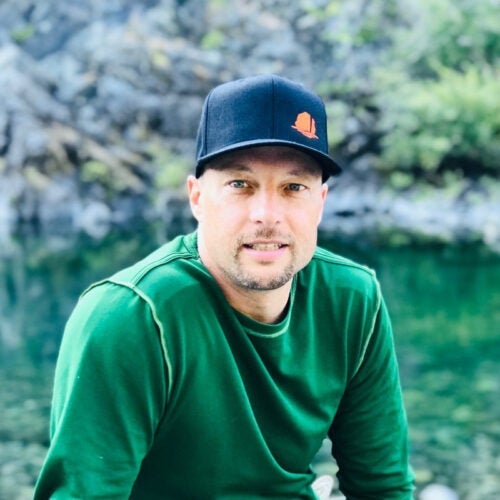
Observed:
{"x":250,"y":281}
{"x":247,"y":281}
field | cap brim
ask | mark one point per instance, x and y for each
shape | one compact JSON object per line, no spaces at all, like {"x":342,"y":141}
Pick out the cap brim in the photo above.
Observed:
{"x":328,"y":165}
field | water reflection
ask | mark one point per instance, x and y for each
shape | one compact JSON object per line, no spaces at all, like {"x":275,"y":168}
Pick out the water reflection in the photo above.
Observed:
{"x":445,"y":305}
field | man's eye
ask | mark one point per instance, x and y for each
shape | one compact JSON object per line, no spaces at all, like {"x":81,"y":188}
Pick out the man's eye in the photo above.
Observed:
{"x":296,"y":187}
{"x":238,"y":184}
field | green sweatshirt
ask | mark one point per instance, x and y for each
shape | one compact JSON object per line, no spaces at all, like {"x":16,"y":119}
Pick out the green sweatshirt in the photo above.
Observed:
{"x":163,"y":391}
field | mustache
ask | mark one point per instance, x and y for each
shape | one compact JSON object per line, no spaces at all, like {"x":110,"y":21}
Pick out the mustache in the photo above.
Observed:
{"x":268,"y":233}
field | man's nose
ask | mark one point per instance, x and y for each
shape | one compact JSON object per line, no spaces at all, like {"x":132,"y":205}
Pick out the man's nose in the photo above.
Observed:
{"x":266,"y":207}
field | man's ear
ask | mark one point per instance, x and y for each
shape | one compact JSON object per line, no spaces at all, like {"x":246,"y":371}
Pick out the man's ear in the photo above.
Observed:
{"x":194,"y":193}
{"x":324,"y":192}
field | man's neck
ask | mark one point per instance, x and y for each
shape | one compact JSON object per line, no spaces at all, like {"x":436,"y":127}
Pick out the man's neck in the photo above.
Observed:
{"x":266,"y":306}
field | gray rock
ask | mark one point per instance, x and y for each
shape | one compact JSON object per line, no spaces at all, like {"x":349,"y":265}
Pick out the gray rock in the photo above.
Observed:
{"x":121,"y":84}
{"x":95,"y":219}
{"x":437,"y":492}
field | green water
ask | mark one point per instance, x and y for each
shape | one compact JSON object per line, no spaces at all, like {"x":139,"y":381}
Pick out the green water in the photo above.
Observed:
{"x":445,"y":306}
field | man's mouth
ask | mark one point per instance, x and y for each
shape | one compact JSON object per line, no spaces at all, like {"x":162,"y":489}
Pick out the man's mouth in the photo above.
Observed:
{"x":265,"y":247}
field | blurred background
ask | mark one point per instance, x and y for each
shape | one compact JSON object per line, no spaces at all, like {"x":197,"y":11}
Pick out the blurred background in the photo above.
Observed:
{"x":99,"y":105}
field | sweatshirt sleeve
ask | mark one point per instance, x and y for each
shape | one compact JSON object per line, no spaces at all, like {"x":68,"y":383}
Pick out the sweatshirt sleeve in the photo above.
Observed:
{"x":369,"y":433}
{"x":109,"y":395}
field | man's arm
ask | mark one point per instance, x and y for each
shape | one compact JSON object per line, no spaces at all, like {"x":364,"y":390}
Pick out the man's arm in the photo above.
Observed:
{"x":109,"y":395}
{"x":369,"y":433}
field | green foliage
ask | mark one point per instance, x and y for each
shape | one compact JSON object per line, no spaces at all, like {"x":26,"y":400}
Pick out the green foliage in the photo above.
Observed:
{"x":218,"y":4}
{"x":95,"y":171}
{"x":212,"y":40}
{"x":338,"y":114}
{"x":23,"y":33}
{"x":452,"y":33}
{"x":321,"y":10}
{"x":437,"y":89}
{"x":431,"y":85}
{"x":98,"y":172}
{"x":160,"y":60}
{"x":113,"y":174}
{"x":427,"y":121}
{"x":170,"y":168}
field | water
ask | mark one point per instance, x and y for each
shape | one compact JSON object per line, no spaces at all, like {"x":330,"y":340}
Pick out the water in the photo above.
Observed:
{"x":445,"y":306}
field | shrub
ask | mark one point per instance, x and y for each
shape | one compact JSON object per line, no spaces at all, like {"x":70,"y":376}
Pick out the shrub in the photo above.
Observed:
{"x":428,"y":122}
{"x":437,"y":91}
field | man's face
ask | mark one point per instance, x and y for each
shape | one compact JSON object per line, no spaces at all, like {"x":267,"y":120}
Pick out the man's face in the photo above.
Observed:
{"x":258,"y":210}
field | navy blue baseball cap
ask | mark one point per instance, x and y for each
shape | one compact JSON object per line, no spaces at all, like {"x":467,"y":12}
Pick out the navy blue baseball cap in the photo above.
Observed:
{"x":263,"y":110}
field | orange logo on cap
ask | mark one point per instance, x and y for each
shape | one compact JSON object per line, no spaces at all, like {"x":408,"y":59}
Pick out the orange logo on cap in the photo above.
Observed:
{"x":306,"y":125}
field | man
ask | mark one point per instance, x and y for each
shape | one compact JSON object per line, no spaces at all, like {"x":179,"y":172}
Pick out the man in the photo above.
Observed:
{"x":215,"y":367}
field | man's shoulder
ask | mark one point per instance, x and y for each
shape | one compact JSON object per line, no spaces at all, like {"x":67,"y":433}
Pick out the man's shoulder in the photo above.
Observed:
{"x":335,"y":273}
{"x":332,"y":262}
{"x":162,"y":261}
{"x":162,"y":268}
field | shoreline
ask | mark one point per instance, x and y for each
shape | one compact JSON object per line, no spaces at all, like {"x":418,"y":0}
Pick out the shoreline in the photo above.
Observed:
{"x":354,"y":211}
